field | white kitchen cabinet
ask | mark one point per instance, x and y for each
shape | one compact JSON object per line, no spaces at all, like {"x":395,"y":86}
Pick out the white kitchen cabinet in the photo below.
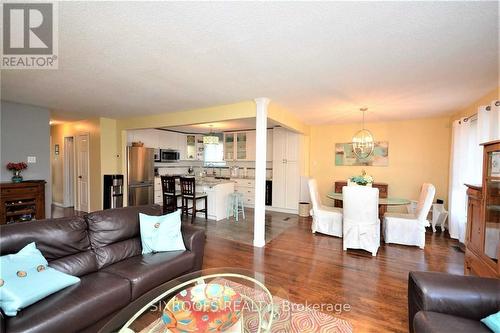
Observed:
{"x":167,"y":140}
{"x":250,"y":145}
{"x":182,"y":146}
{"x":247,"y":188}
{"x":286,"y":170}
{"x":239,"y":146}
{"x":217,"y":199}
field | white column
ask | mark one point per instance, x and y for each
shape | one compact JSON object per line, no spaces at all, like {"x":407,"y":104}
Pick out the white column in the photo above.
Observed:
{"x":259,"y":232}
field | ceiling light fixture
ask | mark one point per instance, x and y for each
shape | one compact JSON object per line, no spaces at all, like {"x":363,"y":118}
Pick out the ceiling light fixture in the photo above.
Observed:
{"x":211,"y":138}
{"x":362,"y":142}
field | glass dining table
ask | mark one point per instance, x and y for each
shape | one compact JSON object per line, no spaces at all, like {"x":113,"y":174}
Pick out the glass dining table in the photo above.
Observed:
{"x":381,"y":201}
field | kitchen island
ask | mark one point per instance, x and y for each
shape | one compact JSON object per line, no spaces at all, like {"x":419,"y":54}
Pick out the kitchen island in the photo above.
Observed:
{"x":217,"y":191}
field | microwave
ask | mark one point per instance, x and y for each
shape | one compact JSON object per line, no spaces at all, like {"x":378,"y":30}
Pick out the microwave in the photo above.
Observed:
{"x":169,"y":155}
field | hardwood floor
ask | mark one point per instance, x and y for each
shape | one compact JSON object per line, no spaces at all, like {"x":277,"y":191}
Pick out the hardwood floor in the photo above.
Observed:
{"x":314,"y":269}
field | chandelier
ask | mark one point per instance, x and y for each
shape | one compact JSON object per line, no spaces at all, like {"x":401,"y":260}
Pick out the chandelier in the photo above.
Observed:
{"x":211,"y":138}
{"x":362,"y":141}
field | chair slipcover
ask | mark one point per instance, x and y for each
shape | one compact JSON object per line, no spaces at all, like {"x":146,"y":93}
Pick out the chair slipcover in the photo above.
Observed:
{"x":361,"y":222}
{"x":409,"y":229}
{"x":326,"y":220}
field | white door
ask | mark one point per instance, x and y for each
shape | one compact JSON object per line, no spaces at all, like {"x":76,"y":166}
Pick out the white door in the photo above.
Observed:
{"x":82,"y":144}
{"x":69,"y":172}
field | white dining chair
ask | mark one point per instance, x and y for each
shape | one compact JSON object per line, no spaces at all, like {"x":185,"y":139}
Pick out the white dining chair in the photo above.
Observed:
{"x":409,"y":229}
{"x":326,"y":220}
{"x":361,"y":225}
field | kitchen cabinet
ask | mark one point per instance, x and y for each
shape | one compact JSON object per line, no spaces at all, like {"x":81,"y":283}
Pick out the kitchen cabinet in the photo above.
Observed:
{"x":286,"y":169}
{"x":190,"y":147}
{"x":239,"y":146}
{"x":182,"y":146}
{"x":247,"y":188}
{"x":229,"y":146}
{"x":160,"y":139}
{"x":167,"y":140}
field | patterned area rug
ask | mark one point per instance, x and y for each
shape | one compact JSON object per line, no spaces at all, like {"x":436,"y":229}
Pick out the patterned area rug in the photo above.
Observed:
{"x":289,"y":317}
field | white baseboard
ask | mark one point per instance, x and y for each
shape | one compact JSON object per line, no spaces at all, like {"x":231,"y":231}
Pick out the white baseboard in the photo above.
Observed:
{"x":282,"y":210}
{"x":58,"y":204}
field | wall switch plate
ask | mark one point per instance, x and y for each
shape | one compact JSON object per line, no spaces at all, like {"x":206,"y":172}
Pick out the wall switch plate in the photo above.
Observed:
{"x":31,"y":159}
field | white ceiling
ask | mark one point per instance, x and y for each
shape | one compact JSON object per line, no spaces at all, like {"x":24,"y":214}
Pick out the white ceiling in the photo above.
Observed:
{"x":321,"y":60}
{"x":223,"y":126}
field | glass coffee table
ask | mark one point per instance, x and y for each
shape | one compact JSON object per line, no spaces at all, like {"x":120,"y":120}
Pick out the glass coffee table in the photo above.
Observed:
{"x":212,"y":300}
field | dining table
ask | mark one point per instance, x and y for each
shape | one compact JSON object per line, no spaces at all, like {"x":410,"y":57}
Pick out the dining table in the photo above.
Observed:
{"x":390,"y":201}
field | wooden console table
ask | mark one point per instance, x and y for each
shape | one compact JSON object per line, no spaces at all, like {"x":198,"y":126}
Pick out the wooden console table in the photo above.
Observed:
{"x":22,"y":201}
{"x":383,"y":190}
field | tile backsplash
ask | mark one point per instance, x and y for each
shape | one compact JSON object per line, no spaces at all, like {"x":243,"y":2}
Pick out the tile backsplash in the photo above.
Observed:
{"x":181,"y":167}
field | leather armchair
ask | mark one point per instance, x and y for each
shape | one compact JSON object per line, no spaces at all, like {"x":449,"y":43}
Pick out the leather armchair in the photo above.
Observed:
{"x":439,"y":302}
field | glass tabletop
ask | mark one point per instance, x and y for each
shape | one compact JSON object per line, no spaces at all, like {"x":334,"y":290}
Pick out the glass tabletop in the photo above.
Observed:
{"x":381,"y":201}
{"x":220,"y":299}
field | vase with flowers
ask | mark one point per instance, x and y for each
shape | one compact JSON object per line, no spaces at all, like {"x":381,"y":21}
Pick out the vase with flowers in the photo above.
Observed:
{"x":363,"y":179}
{"x":16,"y":169}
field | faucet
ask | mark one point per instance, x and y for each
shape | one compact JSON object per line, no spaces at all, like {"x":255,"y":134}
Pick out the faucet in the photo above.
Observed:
{"x":214,"y":173}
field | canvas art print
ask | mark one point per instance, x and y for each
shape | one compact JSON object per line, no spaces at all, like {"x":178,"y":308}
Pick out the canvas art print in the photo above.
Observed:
{"x":344,"y":155}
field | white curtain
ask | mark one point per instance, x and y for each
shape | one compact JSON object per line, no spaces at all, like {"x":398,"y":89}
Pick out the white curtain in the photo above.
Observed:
{"x":467,"y":160}
{"x":488,"y":118}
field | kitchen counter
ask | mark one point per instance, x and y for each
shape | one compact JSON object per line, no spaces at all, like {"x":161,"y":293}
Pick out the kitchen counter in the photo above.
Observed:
{"x":217,"y":191}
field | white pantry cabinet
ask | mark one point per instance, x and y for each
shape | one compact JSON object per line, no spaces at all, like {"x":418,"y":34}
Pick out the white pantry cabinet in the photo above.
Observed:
{"x":286,"y":169}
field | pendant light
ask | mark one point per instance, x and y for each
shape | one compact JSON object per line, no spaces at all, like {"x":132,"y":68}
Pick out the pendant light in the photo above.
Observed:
{"x":362,"y":141}
{"x":211,"y":138}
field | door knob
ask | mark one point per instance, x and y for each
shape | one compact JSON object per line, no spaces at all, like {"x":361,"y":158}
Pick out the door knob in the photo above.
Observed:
{"x":80,"y":177}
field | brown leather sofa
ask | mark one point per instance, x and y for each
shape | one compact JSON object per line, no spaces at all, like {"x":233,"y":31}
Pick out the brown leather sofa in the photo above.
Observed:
{"x":104,"y":250}
{"x":439,"y":302}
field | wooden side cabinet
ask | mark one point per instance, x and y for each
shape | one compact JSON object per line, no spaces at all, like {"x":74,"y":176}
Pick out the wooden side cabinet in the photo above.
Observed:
{"x":482,"y":239}
{"x":23,"y":201}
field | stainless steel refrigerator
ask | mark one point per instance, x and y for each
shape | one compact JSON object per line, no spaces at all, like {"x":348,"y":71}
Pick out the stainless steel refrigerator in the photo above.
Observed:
{"x":140,"y":170}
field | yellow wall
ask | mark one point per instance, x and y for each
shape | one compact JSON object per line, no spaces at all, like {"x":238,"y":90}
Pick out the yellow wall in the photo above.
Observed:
{"x":286,"y":118}
{"x":58,"y":133}
{"x":419,"y":152}
{"x":109,"y":146}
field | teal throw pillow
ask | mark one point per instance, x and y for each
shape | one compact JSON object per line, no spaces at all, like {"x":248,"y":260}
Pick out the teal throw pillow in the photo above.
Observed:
{"x":161,"y":233}
{"x":25,"y":278}
{"x":493,"y":322}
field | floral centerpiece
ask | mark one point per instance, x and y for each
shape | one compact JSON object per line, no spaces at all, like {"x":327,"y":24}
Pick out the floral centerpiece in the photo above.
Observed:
{"x":16,"y":169}
{"x":362,"y":179}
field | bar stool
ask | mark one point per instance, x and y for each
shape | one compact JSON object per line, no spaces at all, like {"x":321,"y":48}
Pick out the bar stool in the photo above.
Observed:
{"x":169,"y":194}
{"x":235,"y":205}
{"x":188,"y":193}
